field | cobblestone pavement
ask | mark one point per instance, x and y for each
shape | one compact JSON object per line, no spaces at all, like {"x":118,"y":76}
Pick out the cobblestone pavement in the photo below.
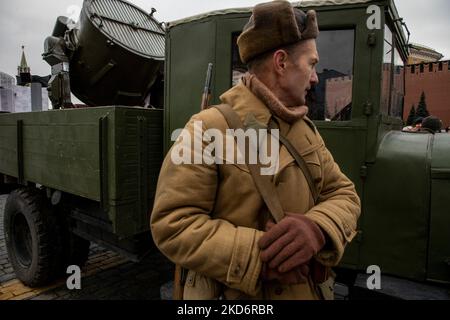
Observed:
{"x":106,"y":276}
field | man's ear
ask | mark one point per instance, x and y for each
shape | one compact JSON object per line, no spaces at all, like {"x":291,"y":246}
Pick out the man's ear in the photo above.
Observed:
{"x":279,"y":61}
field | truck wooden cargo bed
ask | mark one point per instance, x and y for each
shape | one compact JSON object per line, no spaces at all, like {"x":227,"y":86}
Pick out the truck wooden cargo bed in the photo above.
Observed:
{"x":111,"y":155}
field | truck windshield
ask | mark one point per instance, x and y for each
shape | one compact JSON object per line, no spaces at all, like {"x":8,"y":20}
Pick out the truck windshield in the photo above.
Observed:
{"x":393,"y":80}
{"x":398,"y":86}
{"x":331,"y":99}
{"x":387,"y":71}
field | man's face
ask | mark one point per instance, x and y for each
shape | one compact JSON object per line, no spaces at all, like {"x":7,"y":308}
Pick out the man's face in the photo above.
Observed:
{"x":300,"y":74}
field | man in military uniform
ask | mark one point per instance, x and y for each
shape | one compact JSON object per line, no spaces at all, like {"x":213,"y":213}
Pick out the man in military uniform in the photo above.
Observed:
{"x":211,"y":219}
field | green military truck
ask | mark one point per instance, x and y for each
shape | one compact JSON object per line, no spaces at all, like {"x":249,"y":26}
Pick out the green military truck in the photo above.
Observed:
{"x":89,"y":174}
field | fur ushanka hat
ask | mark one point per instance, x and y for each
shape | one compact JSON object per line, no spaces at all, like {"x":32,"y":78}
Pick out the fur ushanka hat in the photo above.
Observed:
{"x":274,"y":25}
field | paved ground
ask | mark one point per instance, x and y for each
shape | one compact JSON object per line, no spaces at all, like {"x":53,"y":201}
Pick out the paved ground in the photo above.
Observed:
{"x":105,"y":276}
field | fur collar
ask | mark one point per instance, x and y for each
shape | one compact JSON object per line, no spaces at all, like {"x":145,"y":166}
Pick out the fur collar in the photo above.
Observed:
{"x":277,"y":108}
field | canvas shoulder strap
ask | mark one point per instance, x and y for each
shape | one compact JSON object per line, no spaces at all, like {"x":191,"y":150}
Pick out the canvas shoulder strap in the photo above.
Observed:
{"x":235,"y":123}
{"x":300,"y":162}
{"x":263,"y":184}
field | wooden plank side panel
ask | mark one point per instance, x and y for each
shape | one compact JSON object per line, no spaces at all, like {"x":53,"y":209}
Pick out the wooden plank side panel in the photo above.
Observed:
{"x":139,"y":154}
{"x":8,"y":147}
{"x":63,"y":156}
{"x":60,"y":149}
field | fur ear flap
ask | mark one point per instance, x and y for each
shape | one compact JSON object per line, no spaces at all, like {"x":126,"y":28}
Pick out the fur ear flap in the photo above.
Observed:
{"x":312,"y":30}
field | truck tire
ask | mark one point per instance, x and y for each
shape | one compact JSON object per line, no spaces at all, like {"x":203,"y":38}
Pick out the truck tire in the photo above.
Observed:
{"x":31,"y":235}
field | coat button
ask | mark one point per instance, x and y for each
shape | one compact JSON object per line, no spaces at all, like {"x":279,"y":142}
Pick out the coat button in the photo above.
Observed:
{"x":278,"y":291}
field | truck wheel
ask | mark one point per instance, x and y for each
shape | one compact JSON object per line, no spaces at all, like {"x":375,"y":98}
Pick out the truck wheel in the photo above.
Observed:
{"x":31,"y":237}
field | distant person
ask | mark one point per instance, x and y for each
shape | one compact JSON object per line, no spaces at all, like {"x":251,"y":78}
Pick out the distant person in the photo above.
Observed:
{"x":418,"y":123}
{"x":416,"y":126}
{"x":432,"y":124}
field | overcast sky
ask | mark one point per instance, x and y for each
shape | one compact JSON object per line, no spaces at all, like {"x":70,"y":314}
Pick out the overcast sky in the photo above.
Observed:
{"x":25,"y":22}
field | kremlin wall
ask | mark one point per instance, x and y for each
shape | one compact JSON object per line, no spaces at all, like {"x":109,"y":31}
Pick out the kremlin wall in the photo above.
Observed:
{"x":434,"y":79}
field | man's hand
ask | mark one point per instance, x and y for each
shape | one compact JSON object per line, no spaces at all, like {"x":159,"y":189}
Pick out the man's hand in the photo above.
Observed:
{"x":291,"y":243}
{"x":296,"y":276}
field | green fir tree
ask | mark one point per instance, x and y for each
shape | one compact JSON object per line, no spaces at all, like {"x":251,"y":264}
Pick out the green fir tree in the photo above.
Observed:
{"x":412,"y":116}
{"x":422,"y":107}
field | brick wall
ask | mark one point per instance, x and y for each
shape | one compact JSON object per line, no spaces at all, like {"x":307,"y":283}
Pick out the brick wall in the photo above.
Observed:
{"x":338,"y":94}
{"x":436,"y":85}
